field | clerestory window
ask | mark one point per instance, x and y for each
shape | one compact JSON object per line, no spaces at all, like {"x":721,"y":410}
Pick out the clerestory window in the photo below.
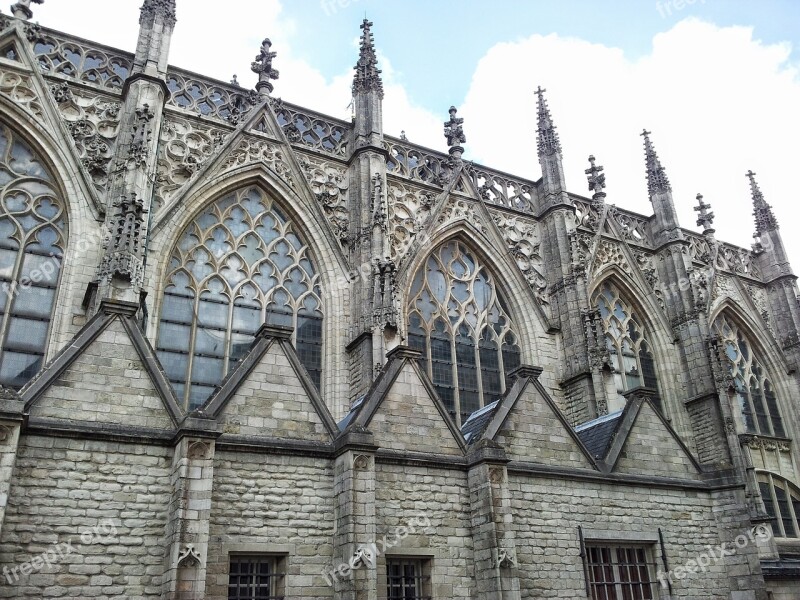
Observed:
{"x":459,"y":321}
{"x":782,"y":503}
{"x":755,"y":395}
{"x":33,"y":237}
{"x":629,"y":351}
{"x":239,"y":264}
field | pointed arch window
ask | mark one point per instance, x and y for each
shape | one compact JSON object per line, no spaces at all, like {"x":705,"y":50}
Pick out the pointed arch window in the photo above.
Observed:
{"x":239,"y":264}
{"x":755,"y":393}
{"x":629,"y":350}
{"x":459,"y":321}
{"x":782,"y":503}
{"x":33,"y":237}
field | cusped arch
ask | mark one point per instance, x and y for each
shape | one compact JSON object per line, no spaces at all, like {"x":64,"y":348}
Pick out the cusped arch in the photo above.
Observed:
{"x":33,"y":243}
{"x":457,"y":313}
{"x":646,"y":320}
{"x":243,"y":257}
{"x":755,"y":364}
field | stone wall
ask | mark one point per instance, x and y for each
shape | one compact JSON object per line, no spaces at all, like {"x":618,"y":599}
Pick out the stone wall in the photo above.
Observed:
{"x":65,"y":488}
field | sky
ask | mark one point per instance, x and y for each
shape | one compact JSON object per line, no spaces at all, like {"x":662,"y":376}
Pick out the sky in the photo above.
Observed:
{"x":715,"y":81}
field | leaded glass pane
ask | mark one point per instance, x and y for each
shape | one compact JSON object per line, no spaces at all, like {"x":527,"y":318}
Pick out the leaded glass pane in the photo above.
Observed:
{"x":757,"y":401}
{"x":239,"y":264}
{"x":32,"y":219}
{"x":456,"y":316}
{"x":626,"y":341}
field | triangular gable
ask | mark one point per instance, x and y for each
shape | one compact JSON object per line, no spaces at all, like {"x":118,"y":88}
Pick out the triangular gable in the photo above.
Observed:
{"x":270,"y":394}
{"x":531,"y":428}
{"x":645,"y":444}
{"x":107,"y":375}
{"x":404,"y":413}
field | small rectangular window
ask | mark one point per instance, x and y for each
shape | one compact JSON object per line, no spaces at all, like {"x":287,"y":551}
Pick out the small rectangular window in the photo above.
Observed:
{"x":621,"y":572}
{"x":408,"y":579}
{"x":256,"y":577}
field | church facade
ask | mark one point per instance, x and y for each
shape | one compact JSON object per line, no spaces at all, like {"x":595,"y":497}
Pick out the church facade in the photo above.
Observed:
{"x":248,"y":351}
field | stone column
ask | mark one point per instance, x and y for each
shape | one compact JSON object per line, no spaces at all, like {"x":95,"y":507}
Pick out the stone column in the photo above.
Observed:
{"x":353,"y":575}
{"x":11,"y":417}
{"x":189,"y":511}
{"x":492,"y":523}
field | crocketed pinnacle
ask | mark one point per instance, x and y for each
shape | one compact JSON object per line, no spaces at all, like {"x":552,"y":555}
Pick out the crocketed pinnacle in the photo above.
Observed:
{"x":765,"y":218}
{"x":547,"y":142}
{"x":705,"y":218}
{"x":368,"y":76}
{"x":151,"y":8}
{"x":656,"y":176}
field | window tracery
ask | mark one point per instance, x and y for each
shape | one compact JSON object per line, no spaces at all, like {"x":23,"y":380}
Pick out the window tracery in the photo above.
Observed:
{"x":630,"y":354}
{"x":782,"y":503}
{"x":755,"y":395}
{"x":33,"y":237}
{"x":239,"y":264}
{"x":461,"y":324}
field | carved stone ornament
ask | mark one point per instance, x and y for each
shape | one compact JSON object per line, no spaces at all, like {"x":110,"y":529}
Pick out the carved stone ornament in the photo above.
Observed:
{"x":505,"y":558}
{"x":262,"y":66}
{"x":198,"y":449}
{"x":189,"y":557}
{"x":363,"y":557}
{"x":5,"y":434}
{"x":496,"y":475}
{"x":361,"y":462}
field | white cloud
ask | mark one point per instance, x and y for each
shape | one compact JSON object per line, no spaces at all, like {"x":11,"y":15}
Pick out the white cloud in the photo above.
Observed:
{"x":717,"y":101}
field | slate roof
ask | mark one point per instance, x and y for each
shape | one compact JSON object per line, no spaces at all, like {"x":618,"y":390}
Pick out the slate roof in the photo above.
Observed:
{"x":476,"y":423}
{"x":597,"y":434}
{"x":353,"y":412}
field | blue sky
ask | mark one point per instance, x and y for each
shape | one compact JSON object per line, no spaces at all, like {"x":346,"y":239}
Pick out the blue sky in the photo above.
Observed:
{"x":717,"y":82}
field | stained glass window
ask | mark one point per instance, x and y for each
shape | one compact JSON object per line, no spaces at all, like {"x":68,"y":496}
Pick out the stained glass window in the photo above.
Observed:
{"x":754,"y":393}
{"x":33,"y":236}
{"x":239,"y":264}
{"x":459,"y":321}
{"x":630,"y":353}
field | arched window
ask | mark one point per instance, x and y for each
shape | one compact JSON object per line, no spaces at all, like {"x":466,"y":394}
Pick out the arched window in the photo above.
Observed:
{"x":460,"y":323}
{"x":239,"y":264}
{"x":754,"y":392}
{"x":33,"y":236}
{"x":782,"y":503}
{"x":630,"y":352}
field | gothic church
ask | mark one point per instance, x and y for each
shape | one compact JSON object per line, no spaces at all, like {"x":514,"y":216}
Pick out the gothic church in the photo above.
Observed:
{"x":250,"y":351}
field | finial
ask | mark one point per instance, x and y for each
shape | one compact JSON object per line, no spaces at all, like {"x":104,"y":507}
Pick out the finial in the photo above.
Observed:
{"x":547,"y":141}
{"x":656,"y":175}
{"x":454,"y":132}
{"x":263,"y":67}
{"x":403,"y":135}
{"x":235,"y":81}
{"x":151,"y":8}
{"x":765,"y":218}
{"x":705,"y":219}
{"x":597,"y":180}
{"x":368,"y":76}
{"x":22,"y":9}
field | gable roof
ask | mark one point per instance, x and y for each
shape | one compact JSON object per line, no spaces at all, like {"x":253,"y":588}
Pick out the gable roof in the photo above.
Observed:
{"x":400,"y":358}
{"x":476,"y":423}
{"x":597,"y":434}
{"x":110,"y":311}
{"x":267,"y":338}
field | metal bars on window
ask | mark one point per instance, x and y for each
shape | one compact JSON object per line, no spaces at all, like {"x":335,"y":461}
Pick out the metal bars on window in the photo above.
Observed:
{"x":620,"y":572}
{"x":406,"y":579}
{"x":254,"y":578}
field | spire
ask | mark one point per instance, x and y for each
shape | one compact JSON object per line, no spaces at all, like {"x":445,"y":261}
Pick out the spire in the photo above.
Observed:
{"x":151,"y":8}
{"x":597,"y":180}
{"x":765,"y":218}
{"x":22,"y":9}
{"x":368,"y":76}
{"x":656,"y":176}
{"x":262,"y":65}
{"x":547,"y":139}
{"x":705,"y":219}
